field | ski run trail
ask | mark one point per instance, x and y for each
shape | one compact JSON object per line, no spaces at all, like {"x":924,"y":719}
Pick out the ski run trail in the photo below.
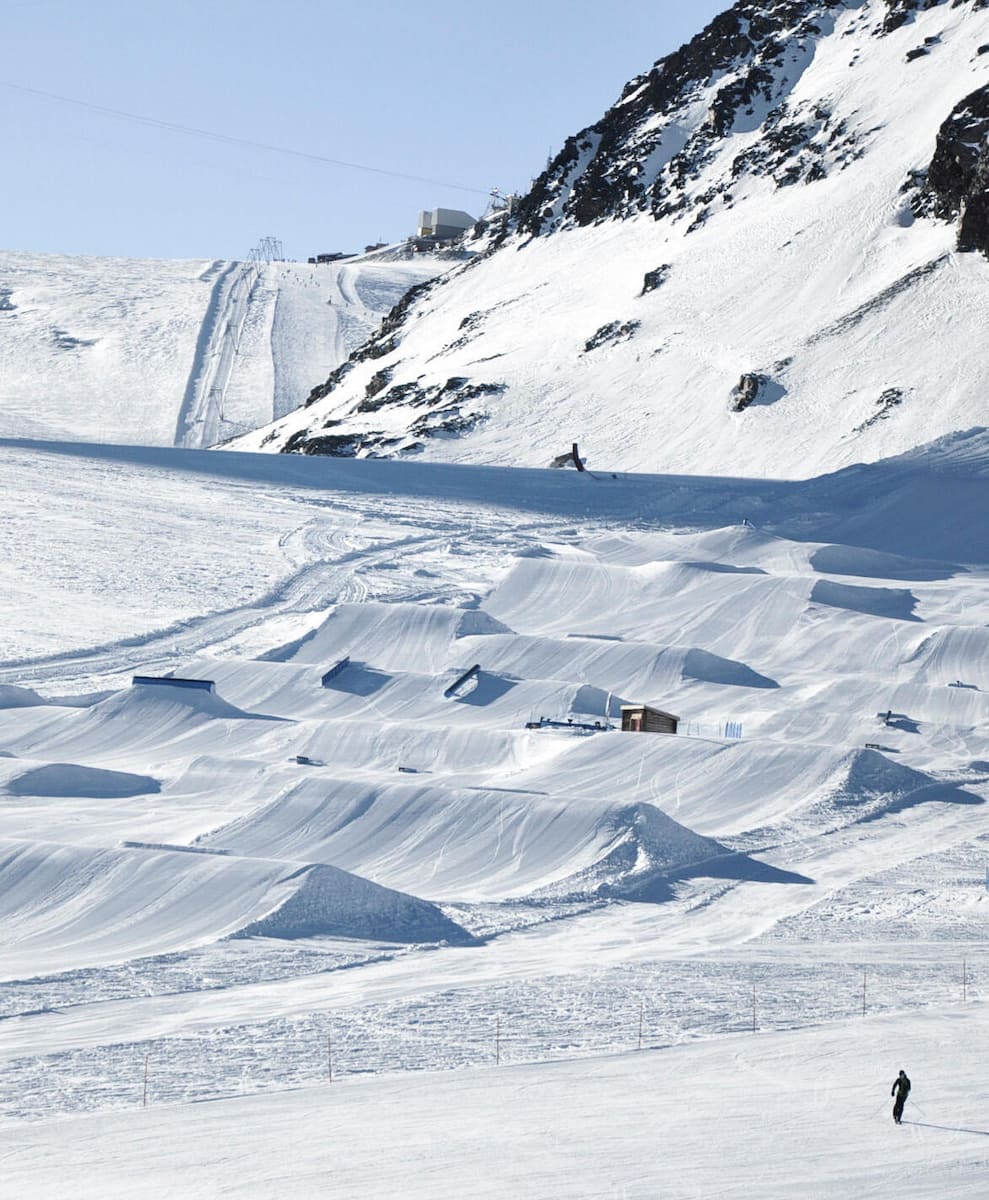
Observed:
{"x":560,"y":960}
{"x":180,"y":353}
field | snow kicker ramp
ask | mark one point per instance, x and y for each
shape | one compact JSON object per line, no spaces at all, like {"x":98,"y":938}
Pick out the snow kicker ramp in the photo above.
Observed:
{"x":470,"y":843}
{"x":394,"y":637}
{"x":70,"y":906}
{"x":140,"y":720}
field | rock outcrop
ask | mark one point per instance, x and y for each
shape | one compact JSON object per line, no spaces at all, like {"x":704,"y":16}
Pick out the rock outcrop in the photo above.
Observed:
{"x":956,"y":187}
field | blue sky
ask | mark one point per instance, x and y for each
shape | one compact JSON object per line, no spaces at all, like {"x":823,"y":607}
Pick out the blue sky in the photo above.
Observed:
{"x":469,"y":96}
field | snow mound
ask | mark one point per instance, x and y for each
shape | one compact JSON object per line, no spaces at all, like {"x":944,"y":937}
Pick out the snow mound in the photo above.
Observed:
{"x":394,"y":637}
{"x":595,"y":702}
{"x":868,"y":785}
{"x":874,"y":564}
{"x":475,"y":622}
{"x":70,"y":779}
{"x":329,"y":902}
{"x":472,"y":843}
{"x":74,"y":906}
{"x":895,"y":603}
{"x":712,"y":668}
{"x":958,"y":654}
{"x":18,"y":697}
{"x":148,"y":701}
{"x":649,"y":852}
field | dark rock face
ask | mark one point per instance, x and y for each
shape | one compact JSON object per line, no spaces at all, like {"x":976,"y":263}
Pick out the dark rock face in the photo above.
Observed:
{"x":450,"y":409}
{"x":889,"y":400}
{"x":653,"y":279}
{"x":644,"y":154}
{"x":614,"y":331}
{"x":957,"y":181}
{"x":757,"y":388}
{"x":760,"y":49}
{"x":745,"y":391}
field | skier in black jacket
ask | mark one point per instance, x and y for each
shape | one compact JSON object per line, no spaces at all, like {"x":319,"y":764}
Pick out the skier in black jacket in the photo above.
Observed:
{"x":900,"y":1089}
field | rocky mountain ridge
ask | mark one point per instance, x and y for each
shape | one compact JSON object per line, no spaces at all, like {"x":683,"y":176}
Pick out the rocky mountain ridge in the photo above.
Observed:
{"x":791,"y":122}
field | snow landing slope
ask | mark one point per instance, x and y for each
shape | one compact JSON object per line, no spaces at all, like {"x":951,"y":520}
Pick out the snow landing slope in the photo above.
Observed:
{"x":178,"y":353}
{"x":770,"y":256}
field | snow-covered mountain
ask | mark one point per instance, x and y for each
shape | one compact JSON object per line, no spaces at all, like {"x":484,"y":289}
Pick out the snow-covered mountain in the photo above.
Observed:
{"x":768,"y":257}
{"x":179,"y":353}
{"x":312,"y":768}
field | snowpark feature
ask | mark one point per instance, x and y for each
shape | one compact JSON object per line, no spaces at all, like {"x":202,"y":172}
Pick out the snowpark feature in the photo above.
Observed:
{"x":427,"y":883}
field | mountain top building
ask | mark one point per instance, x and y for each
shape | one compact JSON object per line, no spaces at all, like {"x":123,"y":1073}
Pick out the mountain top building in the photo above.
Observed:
{"x":444,"y":223}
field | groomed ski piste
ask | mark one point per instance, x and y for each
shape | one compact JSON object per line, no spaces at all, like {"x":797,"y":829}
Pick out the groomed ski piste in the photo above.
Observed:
{"x":180,"y":353}
{"x":366,"y":812}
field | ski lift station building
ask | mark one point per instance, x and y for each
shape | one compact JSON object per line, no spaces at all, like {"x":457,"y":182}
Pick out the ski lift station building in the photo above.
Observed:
{"x":640,"y":718}
{"x":444,"y":223}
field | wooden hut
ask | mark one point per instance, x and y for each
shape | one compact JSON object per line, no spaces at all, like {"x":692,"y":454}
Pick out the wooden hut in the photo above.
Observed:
{"x":640,"y":718}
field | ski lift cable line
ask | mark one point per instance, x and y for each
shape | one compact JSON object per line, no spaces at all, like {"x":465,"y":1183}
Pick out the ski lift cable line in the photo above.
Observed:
{"x":232,"y":140}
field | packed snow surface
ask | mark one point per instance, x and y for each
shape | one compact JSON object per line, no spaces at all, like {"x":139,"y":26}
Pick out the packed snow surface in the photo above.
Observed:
{"x":179,"y":353}
{"x":397,"y":828}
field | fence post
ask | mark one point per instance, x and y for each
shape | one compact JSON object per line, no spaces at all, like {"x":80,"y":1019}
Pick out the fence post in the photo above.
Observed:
{"x":144,"y":1102}
{"x":641,"y":1005}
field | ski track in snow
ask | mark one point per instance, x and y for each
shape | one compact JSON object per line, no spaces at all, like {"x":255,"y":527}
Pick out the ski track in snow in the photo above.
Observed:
{"x":179,"y":353}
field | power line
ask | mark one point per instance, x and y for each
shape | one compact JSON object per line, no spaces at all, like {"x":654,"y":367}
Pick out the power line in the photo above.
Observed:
{"x":230,"y":140}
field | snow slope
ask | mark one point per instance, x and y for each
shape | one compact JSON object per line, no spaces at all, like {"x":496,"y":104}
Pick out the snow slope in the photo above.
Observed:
{"x":803,"y":1114}
{"x":725,"y":275}
{"x":345,"y":836}
{"x":178,"y":353}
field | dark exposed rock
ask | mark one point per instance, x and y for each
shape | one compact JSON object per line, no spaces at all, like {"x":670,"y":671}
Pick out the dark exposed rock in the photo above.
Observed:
{"x":613,"y":332}
{"x":745,"y":391}
{"x":402,"y":393}
{"x":653,"y":279}
{"x":339,"y":445}
{"x":385,"y":340}
{"x":378,"y":382}
{"x":901,"y":11}
{"x":889,"y":399}
{"x":452,"y":423}
{"x":917,"y":52}
{"x":957,"y":180}
{"x":759,"y":49}
{"x":451,"y":409}
{"x":756,"y":388}
{"x":5,"y":304}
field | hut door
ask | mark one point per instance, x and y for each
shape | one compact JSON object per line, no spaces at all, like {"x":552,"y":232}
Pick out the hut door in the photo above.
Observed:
{"x":635,"y":724}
